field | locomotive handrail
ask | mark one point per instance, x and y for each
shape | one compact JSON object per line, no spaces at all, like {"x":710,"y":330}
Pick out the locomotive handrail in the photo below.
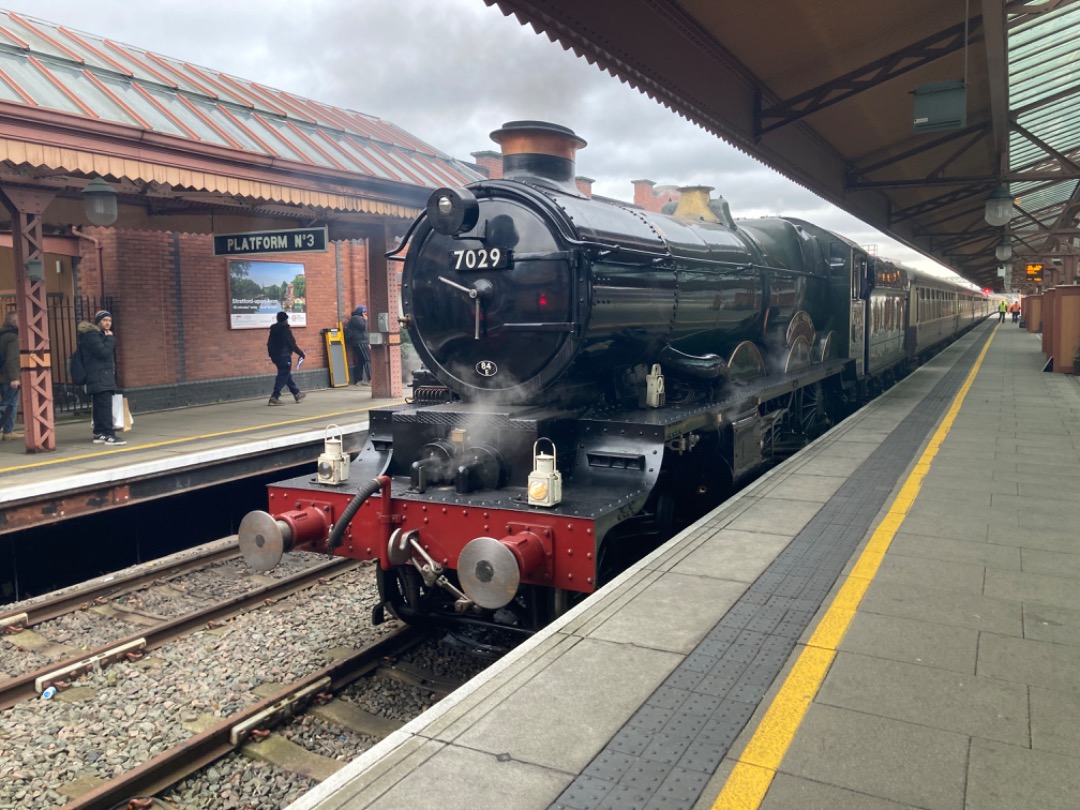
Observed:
{"x":553,"y":256}
{"x":535,"y":327}
{"x":392,"y":254}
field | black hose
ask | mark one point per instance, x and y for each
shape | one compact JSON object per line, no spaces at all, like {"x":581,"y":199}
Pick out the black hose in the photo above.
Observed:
{"x":366,"y":491}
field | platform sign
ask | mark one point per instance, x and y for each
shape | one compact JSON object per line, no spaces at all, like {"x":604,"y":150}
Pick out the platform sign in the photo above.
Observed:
{"x":292,"y":240}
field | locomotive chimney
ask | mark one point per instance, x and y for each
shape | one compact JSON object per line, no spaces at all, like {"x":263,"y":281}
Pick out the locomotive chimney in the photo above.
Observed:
{"x":539,"y":152}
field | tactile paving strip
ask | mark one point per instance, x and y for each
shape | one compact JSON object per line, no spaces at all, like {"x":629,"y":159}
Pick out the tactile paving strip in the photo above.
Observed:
{"x":669,"y":749}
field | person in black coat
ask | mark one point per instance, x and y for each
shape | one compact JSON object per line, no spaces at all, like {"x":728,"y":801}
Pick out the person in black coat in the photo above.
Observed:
{"x":97,"y":344}
{"x":10,"y":378}
{"x":356,"y":333}
{"x":280,"y":346}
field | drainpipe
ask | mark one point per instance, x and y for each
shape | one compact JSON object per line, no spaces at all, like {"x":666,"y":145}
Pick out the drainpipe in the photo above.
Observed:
{"x":100,"y":261}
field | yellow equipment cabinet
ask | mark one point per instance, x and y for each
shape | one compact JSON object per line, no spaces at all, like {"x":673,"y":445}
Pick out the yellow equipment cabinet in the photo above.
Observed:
{"x":337,"y":356}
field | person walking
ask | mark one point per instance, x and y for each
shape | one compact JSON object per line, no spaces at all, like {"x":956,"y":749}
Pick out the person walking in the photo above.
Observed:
{"x":356,"y":333}
{"x":1014,"y":308}
{"x":280,"y":346}
{"x":97,"y":344}
{"x":1002,"y":309}
{"x":10,"y":375}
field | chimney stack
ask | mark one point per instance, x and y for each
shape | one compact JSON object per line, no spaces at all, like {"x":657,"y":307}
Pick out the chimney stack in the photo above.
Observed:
{"x":490,"y":162}
{"x":539,"y":152}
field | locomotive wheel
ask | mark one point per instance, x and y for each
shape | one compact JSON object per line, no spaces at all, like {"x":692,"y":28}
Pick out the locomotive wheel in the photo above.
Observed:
{"x":810,"y":414}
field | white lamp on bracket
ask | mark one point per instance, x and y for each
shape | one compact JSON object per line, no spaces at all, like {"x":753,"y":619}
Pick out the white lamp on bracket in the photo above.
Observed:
{"x":99,"y":199}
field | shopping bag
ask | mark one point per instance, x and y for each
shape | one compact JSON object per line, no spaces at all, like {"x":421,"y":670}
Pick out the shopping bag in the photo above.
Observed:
{"x":121,"y":414}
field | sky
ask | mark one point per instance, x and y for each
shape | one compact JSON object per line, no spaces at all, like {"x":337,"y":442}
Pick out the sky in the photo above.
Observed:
{"x":450,"y":72}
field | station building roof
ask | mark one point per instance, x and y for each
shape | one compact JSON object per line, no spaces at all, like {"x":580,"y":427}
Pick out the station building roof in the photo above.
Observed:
{"x":825,"y":92}
{"x":77,"y":104}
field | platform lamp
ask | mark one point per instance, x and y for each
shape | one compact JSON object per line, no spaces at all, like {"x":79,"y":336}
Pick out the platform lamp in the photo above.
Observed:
{"x":99,"y":199}
{"x":999,"y":206}
{"x":1003,"y":251}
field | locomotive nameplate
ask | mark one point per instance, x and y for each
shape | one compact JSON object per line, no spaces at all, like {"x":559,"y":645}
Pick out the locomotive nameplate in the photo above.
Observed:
{"x":493,"y":258}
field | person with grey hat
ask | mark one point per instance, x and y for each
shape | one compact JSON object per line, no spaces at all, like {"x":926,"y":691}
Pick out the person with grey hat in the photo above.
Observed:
{"x":280,"y":346}
{"x":97,"y":344}
{"x":356,"y":335}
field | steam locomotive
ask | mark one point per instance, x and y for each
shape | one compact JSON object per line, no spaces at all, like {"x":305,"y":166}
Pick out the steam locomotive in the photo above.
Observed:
{"x":595,"y":378}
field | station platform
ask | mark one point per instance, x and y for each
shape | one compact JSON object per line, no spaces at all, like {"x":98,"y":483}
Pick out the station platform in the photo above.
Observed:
{"x":888,"y":620}
{"x":172,"y":451}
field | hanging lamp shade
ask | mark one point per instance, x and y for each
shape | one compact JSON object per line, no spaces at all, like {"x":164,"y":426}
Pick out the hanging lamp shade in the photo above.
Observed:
{"x":1003,"y":251}
{"x":99,"y":200}
{"x":999,"y":206}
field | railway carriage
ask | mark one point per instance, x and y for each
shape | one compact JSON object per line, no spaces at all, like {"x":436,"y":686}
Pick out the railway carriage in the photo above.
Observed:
{"x":940,"y":310}
{"x":595,"y":377}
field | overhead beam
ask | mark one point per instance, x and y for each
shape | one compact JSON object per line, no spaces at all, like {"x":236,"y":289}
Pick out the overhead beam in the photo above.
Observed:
{"x":887,"y":68}
{"x":997,"y":69}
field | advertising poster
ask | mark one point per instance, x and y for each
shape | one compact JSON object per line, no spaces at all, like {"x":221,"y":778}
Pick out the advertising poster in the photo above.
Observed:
{"x":259,"y":290}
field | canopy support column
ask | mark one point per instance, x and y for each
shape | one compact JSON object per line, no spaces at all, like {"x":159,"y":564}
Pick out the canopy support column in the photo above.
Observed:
{"x":35,"y":360}
{"x":384,"y":296}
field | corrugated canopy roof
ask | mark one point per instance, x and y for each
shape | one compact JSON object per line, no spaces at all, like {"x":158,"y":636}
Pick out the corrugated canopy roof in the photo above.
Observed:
{"x":63,"y":77}
{"x":1044,"y":101}
{"x":823,"y":92}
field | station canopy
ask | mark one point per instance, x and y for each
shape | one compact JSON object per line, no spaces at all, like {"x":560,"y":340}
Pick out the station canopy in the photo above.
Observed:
{"x":908,"y":115}
{"x":75,"y":106}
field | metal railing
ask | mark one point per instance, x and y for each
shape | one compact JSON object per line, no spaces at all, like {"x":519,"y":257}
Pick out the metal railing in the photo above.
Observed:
{"x":65,"y":313}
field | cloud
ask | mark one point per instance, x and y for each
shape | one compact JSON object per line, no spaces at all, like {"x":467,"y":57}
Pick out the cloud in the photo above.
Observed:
{"x":450,"y":72}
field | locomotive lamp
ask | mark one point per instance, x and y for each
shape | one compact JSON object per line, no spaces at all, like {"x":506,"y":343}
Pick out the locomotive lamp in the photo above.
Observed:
{"x":999,"y":206}
{"x":545,"y":481}
{"x":333,"y":466}
{"x":452,"y":211}
{"x":654,"y":388}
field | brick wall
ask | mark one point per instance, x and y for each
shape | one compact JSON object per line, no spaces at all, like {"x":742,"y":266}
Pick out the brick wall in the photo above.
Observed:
{"x":174,"y":343}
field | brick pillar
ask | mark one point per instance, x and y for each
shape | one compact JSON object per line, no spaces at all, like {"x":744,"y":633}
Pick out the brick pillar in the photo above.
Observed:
{"x":584,"y":185}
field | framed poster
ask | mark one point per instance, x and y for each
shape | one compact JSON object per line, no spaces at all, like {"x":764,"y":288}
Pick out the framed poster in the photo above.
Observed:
{"x":259,"y":290}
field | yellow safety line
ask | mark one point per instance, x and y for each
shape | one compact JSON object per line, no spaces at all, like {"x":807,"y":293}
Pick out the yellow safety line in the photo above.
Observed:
{"x":167,"y":442}
{"x":756,"y":767}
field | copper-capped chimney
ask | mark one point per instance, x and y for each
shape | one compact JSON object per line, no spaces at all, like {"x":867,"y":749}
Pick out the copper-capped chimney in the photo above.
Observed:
{"x":539,"y":152}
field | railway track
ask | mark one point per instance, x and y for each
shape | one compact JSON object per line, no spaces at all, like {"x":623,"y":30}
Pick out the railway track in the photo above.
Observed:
{"x":28,"y":684}
{"x":113,"y":585}
{"x":135,"y":788}
{"x":187,"y":707}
